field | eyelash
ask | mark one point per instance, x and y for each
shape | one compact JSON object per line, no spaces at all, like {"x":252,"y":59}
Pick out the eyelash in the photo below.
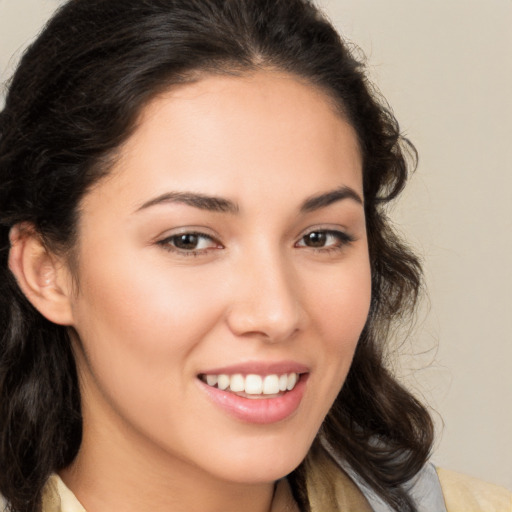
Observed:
{"x":169,"y":243}
{"x":342,"y":239}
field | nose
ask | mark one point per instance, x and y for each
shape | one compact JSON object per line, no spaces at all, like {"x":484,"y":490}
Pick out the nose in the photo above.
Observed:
{"x":265,"y":300}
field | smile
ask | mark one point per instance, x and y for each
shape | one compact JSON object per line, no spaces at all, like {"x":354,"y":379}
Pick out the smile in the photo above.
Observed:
{"x":252,"y":385}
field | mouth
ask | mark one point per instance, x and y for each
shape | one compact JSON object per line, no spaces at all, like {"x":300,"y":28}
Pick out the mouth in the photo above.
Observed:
{"x":253,"y":386}
{"x":256,"y":392}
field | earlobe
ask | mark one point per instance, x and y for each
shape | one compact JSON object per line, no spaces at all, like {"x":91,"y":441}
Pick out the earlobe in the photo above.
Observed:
{"x":41,"y":275}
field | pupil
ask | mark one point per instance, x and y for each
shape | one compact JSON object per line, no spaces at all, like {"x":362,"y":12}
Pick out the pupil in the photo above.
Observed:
{"x":187,"y":241}
{"x":316,"y":239}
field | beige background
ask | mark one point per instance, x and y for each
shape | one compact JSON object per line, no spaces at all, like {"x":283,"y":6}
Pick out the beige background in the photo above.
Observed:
{"x":446,"y":68}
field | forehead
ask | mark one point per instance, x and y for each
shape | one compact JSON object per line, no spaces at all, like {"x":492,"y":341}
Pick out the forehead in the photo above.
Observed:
{"x":227,"y":135}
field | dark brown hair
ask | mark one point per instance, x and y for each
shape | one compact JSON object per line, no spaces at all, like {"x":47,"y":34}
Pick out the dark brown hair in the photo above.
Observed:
{"x":73,"y":100}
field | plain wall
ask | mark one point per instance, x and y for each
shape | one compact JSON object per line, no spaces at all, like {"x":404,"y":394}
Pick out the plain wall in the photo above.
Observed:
{"x":445,"y":66}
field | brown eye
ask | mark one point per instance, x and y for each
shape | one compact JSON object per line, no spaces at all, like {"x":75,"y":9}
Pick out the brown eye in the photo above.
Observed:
{"x":315,"y":239}
{"x":187,"y":241}
{"x":325,"y":239}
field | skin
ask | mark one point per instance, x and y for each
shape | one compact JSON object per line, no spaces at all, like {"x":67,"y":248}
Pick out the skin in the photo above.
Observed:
{"x":147,"y":318}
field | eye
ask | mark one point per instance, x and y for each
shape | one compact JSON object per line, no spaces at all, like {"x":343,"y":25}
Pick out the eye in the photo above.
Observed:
{"x":189,"y":243}
{"x":325,"y":239}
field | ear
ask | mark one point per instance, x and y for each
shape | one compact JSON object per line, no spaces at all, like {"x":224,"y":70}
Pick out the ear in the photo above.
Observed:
{"x":42,"y":276}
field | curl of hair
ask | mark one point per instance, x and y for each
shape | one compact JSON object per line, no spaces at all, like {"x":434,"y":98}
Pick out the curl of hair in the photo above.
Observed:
{"x":74,"y":99}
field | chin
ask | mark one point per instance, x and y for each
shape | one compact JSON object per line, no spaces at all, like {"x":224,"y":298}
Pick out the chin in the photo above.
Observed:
{"x":259,"y":463}
{"x":262,"y":472}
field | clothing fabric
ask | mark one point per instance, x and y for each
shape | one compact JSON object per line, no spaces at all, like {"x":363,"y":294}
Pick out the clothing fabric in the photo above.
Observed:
{"x":466,"y":494}
{"x":434,"y":490}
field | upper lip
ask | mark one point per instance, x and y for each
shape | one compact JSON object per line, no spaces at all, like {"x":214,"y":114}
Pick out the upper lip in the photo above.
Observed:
{"x":259,"y":368}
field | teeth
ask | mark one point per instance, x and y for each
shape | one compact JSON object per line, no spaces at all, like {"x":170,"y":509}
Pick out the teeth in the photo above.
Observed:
{"x":271,"y":385}
{"x":223,"y":382}
{"x":253,"y":384}
{"x":292,"y":380}
{"x":237,"y":383}
{"x":211,"y":380}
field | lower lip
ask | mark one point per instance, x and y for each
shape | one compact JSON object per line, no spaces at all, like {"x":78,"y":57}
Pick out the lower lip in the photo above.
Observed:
{"x":258,"y":410}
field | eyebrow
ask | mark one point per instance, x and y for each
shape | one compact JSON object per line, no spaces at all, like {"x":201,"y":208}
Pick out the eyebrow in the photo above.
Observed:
{"x":201,"y":201}
{"x":222,"y":205}
{"x":326,"y":199}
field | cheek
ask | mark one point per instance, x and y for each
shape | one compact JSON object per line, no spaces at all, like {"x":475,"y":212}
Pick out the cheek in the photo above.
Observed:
{"x":138,"y":325}
{"x":135,"y":310}
{"x":342,"y":304}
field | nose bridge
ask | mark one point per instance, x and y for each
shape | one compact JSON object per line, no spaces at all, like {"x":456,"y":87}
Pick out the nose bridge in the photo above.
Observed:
{"x":265,"y":300}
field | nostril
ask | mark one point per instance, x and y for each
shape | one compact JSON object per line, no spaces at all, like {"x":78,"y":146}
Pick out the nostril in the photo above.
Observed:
{"x":271,"y":322}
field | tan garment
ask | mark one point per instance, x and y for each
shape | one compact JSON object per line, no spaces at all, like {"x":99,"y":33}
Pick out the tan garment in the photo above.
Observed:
{"x":58,"y":498}
{"x":465,"y":494}
{"x":329,"y":488}
{"x":333,"y":491}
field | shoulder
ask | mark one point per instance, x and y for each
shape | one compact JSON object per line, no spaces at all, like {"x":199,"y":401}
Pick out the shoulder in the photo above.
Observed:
{"x":333,"y":485}
{"x":463,"y":493}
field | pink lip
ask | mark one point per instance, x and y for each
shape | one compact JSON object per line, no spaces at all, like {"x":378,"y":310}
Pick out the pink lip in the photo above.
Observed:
{"x":257,"y":410}
{"x":259,"y":368}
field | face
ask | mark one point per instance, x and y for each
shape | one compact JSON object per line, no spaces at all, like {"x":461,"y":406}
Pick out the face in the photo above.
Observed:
{"x":223,"y":278}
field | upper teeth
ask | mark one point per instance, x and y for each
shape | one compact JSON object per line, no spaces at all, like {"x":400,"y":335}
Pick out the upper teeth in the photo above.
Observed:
{"x":254,"y":384}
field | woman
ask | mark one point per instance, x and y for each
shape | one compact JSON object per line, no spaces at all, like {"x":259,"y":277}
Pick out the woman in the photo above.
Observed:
{"x":198,"y":276}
